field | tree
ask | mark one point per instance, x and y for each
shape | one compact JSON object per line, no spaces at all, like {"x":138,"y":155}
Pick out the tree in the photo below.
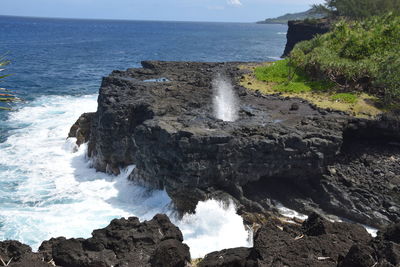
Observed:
{"x":6,"y":96}
{"x":358,"y":9}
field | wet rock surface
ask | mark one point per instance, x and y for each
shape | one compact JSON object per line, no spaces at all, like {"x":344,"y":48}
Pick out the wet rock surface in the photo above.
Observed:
{"x":282,"y":149}
{"x":125,"y":242}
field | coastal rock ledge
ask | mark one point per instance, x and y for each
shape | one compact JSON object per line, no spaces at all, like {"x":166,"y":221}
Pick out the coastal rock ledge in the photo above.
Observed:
{"x":160,"y":118}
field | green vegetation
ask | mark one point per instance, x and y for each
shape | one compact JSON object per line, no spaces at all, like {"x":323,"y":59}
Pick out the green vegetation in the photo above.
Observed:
{"x":358,"y":56}
{"x":357,"y":9}
{"x":5,"y":95}
{"x":286,"y":78}
{"x":345,"y":97}
{"x":355,"y":67}
{"x":281,"y":77}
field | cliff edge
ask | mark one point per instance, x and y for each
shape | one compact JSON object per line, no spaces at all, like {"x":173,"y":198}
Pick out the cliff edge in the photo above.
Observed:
{"x":302,"y":30}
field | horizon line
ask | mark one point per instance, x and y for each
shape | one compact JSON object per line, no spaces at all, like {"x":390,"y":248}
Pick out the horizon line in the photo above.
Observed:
{"x":138,"y":20}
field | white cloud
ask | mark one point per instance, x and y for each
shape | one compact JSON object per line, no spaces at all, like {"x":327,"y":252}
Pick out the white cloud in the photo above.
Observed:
{"x":234,"y":2}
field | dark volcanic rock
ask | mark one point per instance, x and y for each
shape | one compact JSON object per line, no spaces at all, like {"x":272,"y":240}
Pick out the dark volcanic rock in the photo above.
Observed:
{"x":235,"y":257}
{"x":317,"y":242}
{"x":170,"y":252}
{"x":161,"y":119}
{"x":125,"y":242}
{"x":16,"y":254}
{"x":81,"y":128}
{"x":168,"y":131}
{"x":382,"y":251}
{"x":300,"y":30}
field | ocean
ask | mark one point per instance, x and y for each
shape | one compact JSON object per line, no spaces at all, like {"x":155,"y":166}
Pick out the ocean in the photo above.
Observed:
{"x":47,"y":188}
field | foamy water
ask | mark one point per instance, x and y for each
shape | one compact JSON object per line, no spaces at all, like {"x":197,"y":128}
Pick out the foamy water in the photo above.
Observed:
{"x":47,"y":190}
{"x":226,"y":104}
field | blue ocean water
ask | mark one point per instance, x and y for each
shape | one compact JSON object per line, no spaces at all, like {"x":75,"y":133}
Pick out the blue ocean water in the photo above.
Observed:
{"x":47,"y":189}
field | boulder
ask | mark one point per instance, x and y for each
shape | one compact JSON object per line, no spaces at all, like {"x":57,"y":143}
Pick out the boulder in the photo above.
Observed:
{"x":235,"y":257}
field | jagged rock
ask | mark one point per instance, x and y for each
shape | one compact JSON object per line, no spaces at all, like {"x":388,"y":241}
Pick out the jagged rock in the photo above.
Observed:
{"x":81,"y":128}
{"x":383,"y":251}
{"x":160,"y":118}
{"x":358,"y":256}
{"x":125,"y":242}
{"x":170,"y":252}
{"x":317,"y":242}
{"x":20,"y":255}
{"x":236,"y":257}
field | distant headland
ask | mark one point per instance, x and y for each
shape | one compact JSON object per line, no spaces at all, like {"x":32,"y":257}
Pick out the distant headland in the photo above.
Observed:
{"x":309,"y":14}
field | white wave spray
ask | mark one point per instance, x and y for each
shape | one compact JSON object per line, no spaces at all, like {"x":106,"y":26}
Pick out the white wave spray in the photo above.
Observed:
{"x":225,"y":102}
{"x":46,"y":190}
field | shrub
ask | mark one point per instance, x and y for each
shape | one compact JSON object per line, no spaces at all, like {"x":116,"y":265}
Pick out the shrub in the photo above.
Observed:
{"x":358,"y":55}
{"x":388,"y":78}
{"x":357,"y":9}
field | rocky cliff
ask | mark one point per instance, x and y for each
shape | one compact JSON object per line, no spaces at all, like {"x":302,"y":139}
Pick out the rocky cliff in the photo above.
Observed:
{"x":160,"y":118}
{"x":302,"y":30}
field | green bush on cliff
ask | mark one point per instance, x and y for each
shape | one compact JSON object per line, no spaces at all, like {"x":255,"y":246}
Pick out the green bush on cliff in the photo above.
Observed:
{"x":389,"y":77}
{"x":358,"y":55}
{"x":357,"y":9}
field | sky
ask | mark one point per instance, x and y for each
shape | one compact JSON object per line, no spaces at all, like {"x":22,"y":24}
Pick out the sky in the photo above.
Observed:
{"x":175,"y":10}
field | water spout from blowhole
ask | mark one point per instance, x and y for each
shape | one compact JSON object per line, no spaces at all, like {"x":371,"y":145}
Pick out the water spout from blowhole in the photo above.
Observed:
{"x":225,"y":100}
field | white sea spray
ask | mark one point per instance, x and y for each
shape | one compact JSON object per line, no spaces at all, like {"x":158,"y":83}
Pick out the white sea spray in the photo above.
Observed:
{"x":225,"y":101}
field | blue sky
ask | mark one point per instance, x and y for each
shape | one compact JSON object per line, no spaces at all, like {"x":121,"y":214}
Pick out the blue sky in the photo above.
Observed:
{"x":178,"y":10}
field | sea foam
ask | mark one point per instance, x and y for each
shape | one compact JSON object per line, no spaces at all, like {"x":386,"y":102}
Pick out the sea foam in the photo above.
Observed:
{"x":48,"y":190}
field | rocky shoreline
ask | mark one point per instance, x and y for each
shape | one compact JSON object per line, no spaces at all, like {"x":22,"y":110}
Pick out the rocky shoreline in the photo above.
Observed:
{"x":127,"y":242}
{"x":160,"y":118}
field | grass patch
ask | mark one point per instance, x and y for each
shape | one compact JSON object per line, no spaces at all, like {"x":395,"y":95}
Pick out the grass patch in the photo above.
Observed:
{"x":345,"y":97}
{"x":320,"y":93}
{"x":287,"y":79}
